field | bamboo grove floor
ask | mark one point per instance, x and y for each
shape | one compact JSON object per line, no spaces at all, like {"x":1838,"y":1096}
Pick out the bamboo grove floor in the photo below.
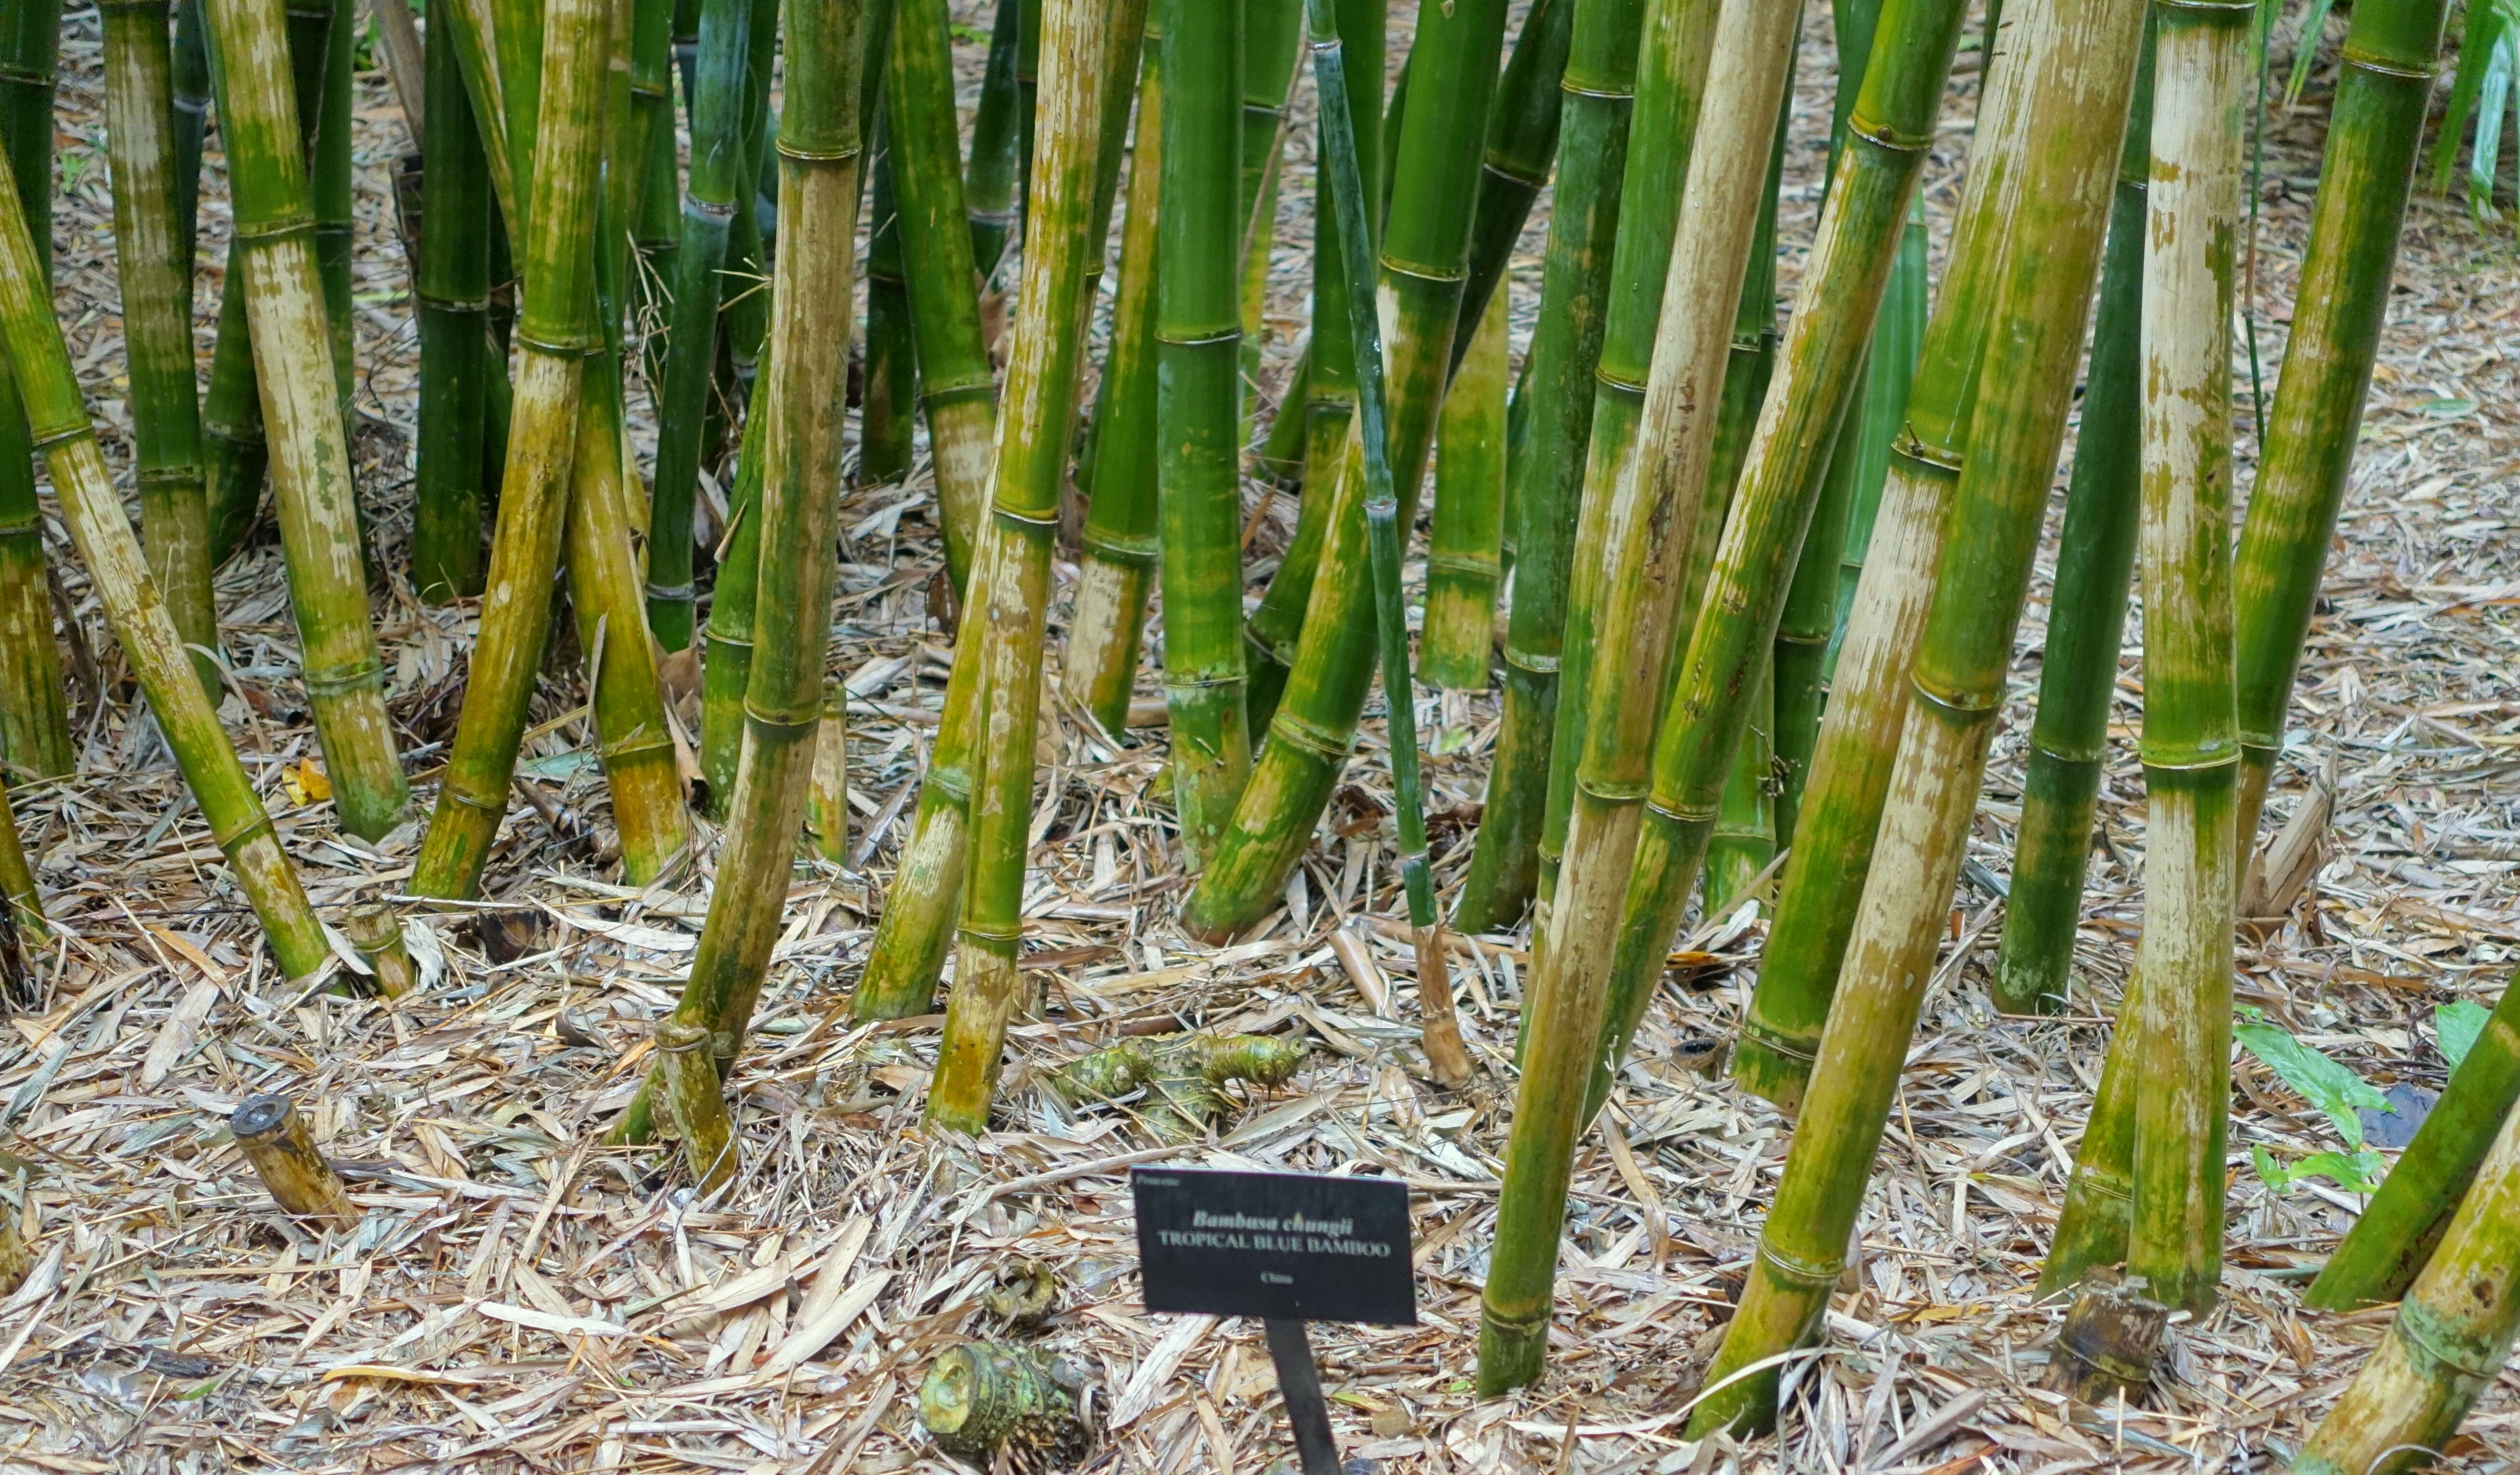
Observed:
{"x":521,"y":1298}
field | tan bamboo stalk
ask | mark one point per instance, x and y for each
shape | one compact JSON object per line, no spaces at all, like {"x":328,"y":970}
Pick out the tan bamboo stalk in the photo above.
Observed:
{"x":1015,"y":566}
{"x":301,"y":415}
{"x":57,"y":425}
{"x":556,"y":333}
{"x":2077,"y":67}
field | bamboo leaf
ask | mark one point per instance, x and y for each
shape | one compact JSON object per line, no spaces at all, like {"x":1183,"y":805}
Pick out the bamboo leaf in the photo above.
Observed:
{"x":2325,"y":1084}
{"x":2459,"y":1023}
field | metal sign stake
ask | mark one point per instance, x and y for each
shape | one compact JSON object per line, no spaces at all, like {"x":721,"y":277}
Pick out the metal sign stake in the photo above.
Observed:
{"x":1300,"y":1381}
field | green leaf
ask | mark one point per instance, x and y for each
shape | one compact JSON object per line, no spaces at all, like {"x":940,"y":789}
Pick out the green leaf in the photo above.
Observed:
{"x":2353,"y":1172}
{"x":2446,"y":408}
{"x":2305,"y":50}
{"x":2459,"y":1023}
{"x":2322,"y":1082}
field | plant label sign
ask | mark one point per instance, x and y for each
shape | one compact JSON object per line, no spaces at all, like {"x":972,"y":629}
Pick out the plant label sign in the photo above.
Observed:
{"x":1280,"y":1247}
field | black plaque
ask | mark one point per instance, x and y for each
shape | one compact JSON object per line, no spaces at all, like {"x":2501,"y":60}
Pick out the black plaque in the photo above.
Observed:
{"x":1282,"y":1246}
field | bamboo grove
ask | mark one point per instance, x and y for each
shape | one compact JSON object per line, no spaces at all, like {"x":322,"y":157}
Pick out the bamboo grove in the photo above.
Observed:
{"x":1749,"y":582}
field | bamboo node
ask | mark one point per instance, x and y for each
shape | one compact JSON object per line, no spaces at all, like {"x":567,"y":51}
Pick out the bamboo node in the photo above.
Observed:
{"x":1291,"y":729}
{"x":675,"y":1037}
{"x":1803,"y":1275}
{"x":1532,"y":662}
{"x":848,"y":154}
{"x":260,"y":824}
{"x":43,"y":440}
{"x":277,"y":229}
{"x":344,"y":680}
{"x":672,"y":591}
{"x":783,"y":725}
{"x":2358,"y":59}
{"x":2430,"y":1337}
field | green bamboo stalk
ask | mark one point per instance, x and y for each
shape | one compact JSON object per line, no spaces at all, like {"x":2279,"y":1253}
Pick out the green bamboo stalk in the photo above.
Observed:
{"x":2074,"y":64}
{"x":1013,"y":575}
{"x":1800,"y":656}
{"x":633,"y":741}
{"x":1198,"y":371}
{"x":17,"y":886}
{"x":1744,"y":836}
{"x":726,"y":667}
{"x":1441,"y":1035}
{"x":1602,"y":93}
{"x":1027,"y":71}
{"x":35,"y":717}
{"x":1279,"y":460}
{"x":2312,"y":427}
{"x":891,"y":389}
{"x":1424,"y":254}
{"x":157,"y":283}
{"x":802,"y":484}
{"x":1463,"y":562}
{"x":827,"y":795}
{"x":328,"y":181}
{"x":2091,"y":1227}
{"x":1890,"y":369}
{"x":1522,"y":142}
{"x":301,"y":411}
{"x":453,"y":299}
{"x":189,"y":66}
{"x":743,"y":308}
{"x":2190,"y":745}
{"x":1870,"y":197}
{"x":470,"y":26}
{"x":1272,"y":34}
{"x":957,"y":385}
{"x":717,"y":184}
{"x":989,"y":180}
{"x":1649,"y":526}
{"x":2447,"y":1344}
{"x":557,"y":331}
{"x":56,"y":418}
{"x":2060,"y":787}
{"x":2397,"y":1232}
{"x":1116,"y":562}
{"x":1840,"y":812}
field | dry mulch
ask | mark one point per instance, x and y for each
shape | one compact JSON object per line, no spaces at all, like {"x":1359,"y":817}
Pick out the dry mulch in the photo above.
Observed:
{"x":520,"y":1297}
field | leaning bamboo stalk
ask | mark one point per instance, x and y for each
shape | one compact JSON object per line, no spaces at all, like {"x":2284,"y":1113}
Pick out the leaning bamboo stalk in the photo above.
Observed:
{"x":1522,"y":143}
{"x":1841,"y":807}
{"x":2076,"y":61}
{"x":726,"y":664}
{"x":1441,"y":1033}
{"x":634,"y":743}
{"x":716,"y":187}
{"x":2447,"y":1344}
{"x":294,"y":343}
{"x":2311,"y":430}
{"x":452,"y":296}
{"x":1600,"y":167}
{"x":1198,"y":424}
{"x":157,"y":283}
{"x":57,"y":425}
{"x":957,"y":385}
{"x":1462,"y":555}
{"x":1117,"y":556}
{"x":1424,"y":254}
{"x":799,"y":514}
{"x":2190,"y":744}
{"x":556,"y":333}
{"x":2394,"y":1237}
{"x":1013,"y":575}
{"x":1870,"y":194}
{"x":2061,"y":786}
{"x":1890,"y":371}
{"x":1648,"y":526}
{"x":34,"y":718}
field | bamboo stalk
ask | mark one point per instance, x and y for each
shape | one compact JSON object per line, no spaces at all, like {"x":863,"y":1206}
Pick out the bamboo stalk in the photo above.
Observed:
{"x":2311,"y":429}
{"x":376,"y":933}
{"x":1441,"y":1034}
{"x":35,"y":717}
{"x":2094,"y":557}
{"x":1013,"y":574}
{"x":633,"y":740}
{"x":1522,"y":143}
{"x":726,"y":669}
{"x":1743,"y":838}
{"x":24,"y":916}
{"x":957,"y":387}
{"x":1117,"y":558}
{"x":1878,"y":418}
{"x":557,"y":331}
{"x":1424,"y":264}
{"x":274,"y":1136}
{"x":303,"y":405}
{"x":157,"y":283}
{"x":56,"y":422}
{"x":2076,"y":65}
{"x":190,"y":75}
{"x":1273,"y":32}
{"x":1599,"y":169}
{"x":328,"y":182}
{"x":1198,"y":371}
{"x":2190,"y":745}
{"x":989,"y":180}
{"x":2446,"y":1345}
{"x":891,"y":391}
{"x":2394,"y":1235}
{"x":1463,"y":554}
{"x":717,"y":185}
{"x":452,"y":296}
{"x":1648,"y":525}
{"x":1851,"y":767}
{"x":800,"y":515}
{"x":827,"y":796}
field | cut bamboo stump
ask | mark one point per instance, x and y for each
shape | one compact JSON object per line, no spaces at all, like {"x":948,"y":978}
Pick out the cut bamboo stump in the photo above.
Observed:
{"x":984,"y":1402}
{"x":276,"y":1141}
{"x":376,"y":933}
{"x":2110,"y":1339}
